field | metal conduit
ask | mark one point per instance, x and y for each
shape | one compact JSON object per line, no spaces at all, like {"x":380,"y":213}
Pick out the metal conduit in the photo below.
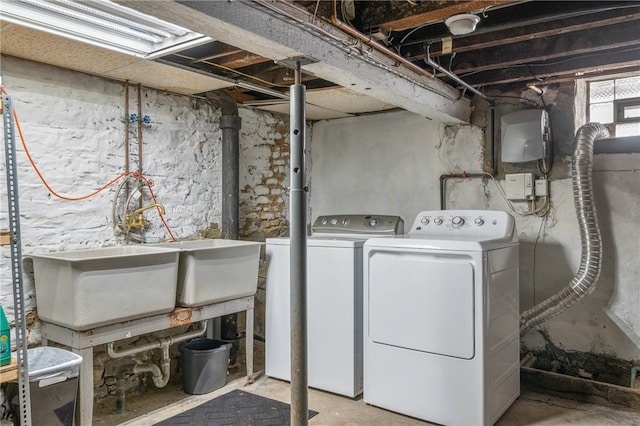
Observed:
{"x":591,"y":258}
{"x":454,"y":77}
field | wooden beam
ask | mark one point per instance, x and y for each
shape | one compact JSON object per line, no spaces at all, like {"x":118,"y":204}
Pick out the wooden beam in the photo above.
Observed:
{"x":439,"y":11}
{"x":242,"y":59}
{"x":514,"y":35}
{"x":571,"y":68}
{"x":578,"y":44}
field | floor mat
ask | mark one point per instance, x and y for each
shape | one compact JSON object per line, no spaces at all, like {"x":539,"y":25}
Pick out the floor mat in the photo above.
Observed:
{"x":236,"y":408}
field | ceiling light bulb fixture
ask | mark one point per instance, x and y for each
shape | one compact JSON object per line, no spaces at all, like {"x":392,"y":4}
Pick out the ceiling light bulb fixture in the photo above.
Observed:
{"x":464,"y":23}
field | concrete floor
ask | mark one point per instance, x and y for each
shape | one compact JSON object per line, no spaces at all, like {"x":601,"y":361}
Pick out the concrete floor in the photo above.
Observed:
{"x":530,"y":409}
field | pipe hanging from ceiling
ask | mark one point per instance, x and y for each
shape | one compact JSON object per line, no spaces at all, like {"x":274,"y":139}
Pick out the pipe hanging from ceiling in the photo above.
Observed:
{"x":454,"y":77}
{"x":591,"y":258}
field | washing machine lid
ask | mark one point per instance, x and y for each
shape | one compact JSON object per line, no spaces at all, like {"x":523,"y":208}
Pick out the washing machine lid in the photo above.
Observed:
{"x":451,"y":243}
{"x":343,"y":241}
{"x":475,"y":230}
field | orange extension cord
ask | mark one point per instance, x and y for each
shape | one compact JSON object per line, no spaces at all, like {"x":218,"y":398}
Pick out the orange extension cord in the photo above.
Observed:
{"x":136,"y":175}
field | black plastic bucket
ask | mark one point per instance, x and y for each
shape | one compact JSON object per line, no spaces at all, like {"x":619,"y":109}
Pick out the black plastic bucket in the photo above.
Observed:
{"x":204,"y":365}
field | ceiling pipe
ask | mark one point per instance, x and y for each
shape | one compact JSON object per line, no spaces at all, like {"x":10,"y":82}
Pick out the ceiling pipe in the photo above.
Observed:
{"x":375,"y":45}
{"x":454,"y":77}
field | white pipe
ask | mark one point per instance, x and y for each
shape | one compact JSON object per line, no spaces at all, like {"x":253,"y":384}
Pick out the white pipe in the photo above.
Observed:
{"x":160,"y":375}
{"x":113,"y":353}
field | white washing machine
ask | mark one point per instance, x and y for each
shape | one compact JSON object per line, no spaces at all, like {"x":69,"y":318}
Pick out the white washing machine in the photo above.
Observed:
{"x":441,"y":318}
{"x":334,"y":301}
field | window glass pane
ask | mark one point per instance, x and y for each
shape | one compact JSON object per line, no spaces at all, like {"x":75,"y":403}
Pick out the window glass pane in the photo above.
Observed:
{"x":631,"y":111}
{"x":628,"y":87}
{"x":628,"y":129}
{"x":601,"y":91}
{"x":601,"y":113}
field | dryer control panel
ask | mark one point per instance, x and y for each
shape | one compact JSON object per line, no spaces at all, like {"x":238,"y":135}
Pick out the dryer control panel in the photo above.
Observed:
{"x":358,"y":224}
{"x":468,"y":224}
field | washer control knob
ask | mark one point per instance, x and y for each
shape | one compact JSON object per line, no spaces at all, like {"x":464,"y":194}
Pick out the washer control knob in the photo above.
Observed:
{"x":345,"y":221}
{"x":334,"y":221}
{"x":424,"y":220}
{"x":437,"y":221}
{"x":373,"y":222}
{"x":479,"y":221}
{"x":457,"y":221}
{"x":324,"y":221}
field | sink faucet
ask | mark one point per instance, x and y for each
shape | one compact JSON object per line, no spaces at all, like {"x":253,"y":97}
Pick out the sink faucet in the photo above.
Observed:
{"x":136,"y":219}
{"x":150,"y":206}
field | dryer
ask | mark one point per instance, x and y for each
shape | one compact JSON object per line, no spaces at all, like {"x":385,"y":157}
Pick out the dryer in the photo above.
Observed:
{"x":334,"y":301}
{"x":441,"y":318}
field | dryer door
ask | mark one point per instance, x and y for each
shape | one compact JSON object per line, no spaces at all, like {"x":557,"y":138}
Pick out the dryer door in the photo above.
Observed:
{"x":422,"y":301}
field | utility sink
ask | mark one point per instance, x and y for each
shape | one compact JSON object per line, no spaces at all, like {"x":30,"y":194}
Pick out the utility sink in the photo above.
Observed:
{"x":83,"y":289}
{"x":215,"y":270}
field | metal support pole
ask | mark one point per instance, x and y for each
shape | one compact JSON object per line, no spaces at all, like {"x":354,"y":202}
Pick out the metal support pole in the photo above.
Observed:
{"x":298,"y":232}
{"x":19,"y":313}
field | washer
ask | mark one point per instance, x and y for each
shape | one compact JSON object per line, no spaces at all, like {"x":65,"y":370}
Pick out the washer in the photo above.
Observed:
{"x":334,"y":301}
{"x":441,"y":317}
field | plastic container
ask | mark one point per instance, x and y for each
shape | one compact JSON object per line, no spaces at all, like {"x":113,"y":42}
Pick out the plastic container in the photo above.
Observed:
{"x":5,"y":339}
{"x":204,"y":365}
{"x":212,"y":271}
{"x":53,"y":385}
{"x":83,"y":289}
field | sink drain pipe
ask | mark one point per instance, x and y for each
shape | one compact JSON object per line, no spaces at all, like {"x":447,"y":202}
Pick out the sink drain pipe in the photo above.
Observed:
{"x":160,"y":375}
{"x":230,"y":123}
{"x":591,"y":259}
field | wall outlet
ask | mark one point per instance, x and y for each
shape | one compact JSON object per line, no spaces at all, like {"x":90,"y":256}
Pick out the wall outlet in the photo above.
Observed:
{"x":519,"y":186}
{"x":542,"y":187}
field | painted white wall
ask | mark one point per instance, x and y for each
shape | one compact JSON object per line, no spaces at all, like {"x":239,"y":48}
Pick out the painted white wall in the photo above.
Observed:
{"x":390,"y":163}
{"x":386,"y":163}
{"x":74,"y":127}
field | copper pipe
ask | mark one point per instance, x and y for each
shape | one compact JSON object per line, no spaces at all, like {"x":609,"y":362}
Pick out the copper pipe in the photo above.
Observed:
{"x":126,"y":134}
{"x":140,"y":135}
{"x":126,"y":126}
{"x":139,"y":128}
{"x":443,"y":184}
{"x":277,"y":13}
{"x":369,"y":42}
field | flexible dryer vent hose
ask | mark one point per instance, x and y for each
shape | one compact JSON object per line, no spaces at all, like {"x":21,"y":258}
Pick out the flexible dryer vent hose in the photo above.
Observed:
{"x":590,"y":261}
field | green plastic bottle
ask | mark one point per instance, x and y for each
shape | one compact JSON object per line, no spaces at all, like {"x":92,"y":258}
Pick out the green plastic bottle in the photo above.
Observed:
{"x":5,"y":339}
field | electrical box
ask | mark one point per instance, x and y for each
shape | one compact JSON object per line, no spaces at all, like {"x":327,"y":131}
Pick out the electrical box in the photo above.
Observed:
{"x":519,"y":186}
{"x":524,"y":135}
{"x":542,"y":187}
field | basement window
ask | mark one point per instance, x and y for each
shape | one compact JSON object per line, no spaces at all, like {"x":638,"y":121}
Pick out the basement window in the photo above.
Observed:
{"x":102,"y":23}
{"x":616,"y":104}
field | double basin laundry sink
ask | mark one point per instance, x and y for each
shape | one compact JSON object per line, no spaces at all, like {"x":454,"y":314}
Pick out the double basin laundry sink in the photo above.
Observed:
{"x":83,"y":289}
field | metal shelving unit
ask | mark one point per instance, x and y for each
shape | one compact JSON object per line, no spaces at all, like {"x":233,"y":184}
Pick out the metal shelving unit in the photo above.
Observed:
{"x":13,"y":202}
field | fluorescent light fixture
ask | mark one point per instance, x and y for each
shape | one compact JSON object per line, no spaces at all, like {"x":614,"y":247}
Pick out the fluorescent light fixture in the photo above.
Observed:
{"x":102,"y":23}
